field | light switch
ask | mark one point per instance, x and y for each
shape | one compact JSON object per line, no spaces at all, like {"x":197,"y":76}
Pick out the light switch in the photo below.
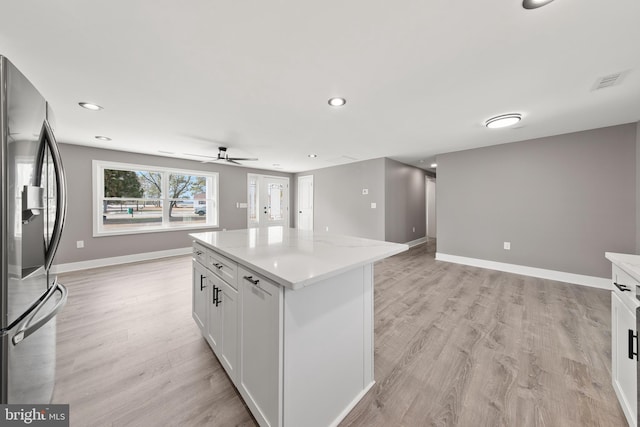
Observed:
{"x":365,"y":191}
{"x":373,"y":205}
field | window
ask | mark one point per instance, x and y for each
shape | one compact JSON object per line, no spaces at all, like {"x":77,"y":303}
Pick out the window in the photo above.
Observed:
{"x":137,"y":199}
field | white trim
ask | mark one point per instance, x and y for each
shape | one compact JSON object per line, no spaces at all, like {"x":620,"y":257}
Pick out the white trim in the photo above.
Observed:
{"x":417,"y":242}
{"x":560,"y":276}
{"x":351,"y":405}
{"x":97,"y":181}
{"x":103,"y":262}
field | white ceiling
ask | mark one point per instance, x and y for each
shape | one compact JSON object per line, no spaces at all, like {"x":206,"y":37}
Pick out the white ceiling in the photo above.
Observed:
{"x":419,"y":76}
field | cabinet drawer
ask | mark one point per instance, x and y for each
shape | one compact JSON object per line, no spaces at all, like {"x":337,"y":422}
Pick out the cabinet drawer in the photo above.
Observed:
{"x":625,"y":280}
{"x":200,"y":253}
{"x":224,"y":268}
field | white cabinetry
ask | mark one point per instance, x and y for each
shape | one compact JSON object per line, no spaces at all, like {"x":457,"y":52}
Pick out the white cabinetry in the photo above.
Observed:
{"x":624,"y":343}
{"x":260,"y":348}
{"x":199,"y":295}
{"x":215,"y":305}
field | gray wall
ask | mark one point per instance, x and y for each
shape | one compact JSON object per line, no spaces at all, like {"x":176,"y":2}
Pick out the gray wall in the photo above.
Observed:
{"x":339,"y":203}
{"x":78,"y":163}
{"x":405,"y":202}
{"x":561,"y":201}
{"x":397,"y":189}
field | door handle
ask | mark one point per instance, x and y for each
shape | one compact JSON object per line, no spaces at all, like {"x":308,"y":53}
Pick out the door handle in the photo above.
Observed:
{"x":61,"y":194}
{"x":632,"y":336}
{"x":623,"y":288}
{"x":27,"y":328}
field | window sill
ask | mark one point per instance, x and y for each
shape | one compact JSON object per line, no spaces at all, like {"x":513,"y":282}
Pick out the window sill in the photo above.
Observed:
{"x":162,"y":229}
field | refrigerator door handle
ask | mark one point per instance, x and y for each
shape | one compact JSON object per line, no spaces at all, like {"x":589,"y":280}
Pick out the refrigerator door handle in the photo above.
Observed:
{"x":61,"y":195}
{"x":27,"y":327}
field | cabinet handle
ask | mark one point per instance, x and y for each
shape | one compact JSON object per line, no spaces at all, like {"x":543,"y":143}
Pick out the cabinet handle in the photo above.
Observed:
{"x":198,"y":253}
{"x":218,"y":266}
{"x":622,"y":287}
{"x":217,"y":301}
{"x":214,"y":295}
{"x":632,"y":336}
{"x":202,"y":285}
{"x":251,"y":279}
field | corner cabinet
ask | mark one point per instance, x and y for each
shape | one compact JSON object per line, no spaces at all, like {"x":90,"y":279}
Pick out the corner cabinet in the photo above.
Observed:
{"x":624,"y":343}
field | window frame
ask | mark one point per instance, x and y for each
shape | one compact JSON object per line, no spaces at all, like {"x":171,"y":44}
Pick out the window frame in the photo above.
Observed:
{"x":98,"y":168}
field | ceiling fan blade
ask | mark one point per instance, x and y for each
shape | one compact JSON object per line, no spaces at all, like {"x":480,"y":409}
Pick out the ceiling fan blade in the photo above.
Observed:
{"x":241,"y":158}
{"x":201,"y":155}
{"x":233,"y":161}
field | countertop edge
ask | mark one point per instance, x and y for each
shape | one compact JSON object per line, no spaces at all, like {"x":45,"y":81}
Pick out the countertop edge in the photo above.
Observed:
{"x":304,"y":283}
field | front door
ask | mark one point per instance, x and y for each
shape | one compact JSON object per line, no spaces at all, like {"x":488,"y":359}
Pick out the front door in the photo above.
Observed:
{"x":268,"y":201}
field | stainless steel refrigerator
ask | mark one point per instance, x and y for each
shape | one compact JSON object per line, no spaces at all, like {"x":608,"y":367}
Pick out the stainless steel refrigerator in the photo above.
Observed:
{"x":33,"y":207}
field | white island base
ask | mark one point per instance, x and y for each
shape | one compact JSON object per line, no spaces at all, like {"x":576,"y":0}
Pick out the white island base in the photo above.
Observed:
{"x":326,"y":351}
{"x":296,"y":338}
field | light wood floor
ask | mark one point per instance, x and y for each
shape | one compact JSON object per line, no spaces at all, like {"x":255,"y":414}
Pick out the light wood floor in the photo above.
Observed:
{"x":454,"y":346}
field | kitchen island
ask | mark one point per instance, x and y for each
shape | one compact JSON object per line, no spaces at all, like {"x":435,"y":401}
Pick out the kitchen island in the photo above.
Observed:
{"x":289,"y":314}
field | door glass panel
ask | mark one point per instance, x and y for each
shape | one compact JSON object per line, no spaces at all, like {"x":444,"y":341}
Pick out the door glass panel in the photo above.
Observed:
{"x":253,"y":199}
{"x":275,"y":196}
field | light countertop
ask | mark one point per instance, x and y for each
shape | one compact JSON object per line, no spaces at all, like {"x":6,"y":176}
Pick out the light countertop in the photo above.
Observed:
{"x":629,"y":263}
{"x":294,"y":258}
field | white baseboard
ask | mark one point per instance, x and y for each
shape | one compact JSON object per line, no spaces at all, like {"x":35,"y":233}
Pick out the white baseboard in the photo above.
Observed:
{"x":560,"y":276}
{"x":417,"y":242}
{"x":103,"y":262}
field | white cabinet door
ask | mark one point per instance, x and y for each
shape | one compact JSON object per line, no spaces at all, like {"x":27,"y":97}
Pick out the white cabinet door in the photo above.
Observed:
{"x":260,"y":347}
{"x":624,"y":369}
{"x":228,"y":308}
{"x":199,"y":296}
{"x":214,"y":317}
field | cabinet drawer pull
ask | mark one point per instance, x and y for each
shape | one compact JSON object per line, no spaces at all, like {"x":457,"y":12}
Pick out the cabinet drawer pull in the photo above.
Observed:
{"x":622,"y":287}
{"x":251,"y":279}
{"x":198,"y":253}
{"x":218,"y":266}
{"x":632,"y":336}
{"x":202,"y":285}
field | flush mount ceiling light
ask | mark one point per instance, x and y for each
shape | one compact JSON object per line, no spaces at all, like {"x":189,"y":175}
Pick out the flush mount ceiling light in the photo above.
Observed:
{"x":103,"y":138}
{"x":503,"y":120}
{"x":90,"y":106}
{"x":313,"y":156}
{"x":337,"y":102}
{"x":533,"y":4}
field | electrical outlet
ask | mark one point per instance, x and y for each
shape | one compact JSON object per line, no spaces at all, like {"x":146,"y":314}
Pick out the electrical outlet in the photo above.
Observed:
{"x":365,"y":191}
{"x":80,"y":244}
{"x":326,"y":228}
{"x":507,"y":246}
{"x":373,"y":205}
{"x":414,"y":229}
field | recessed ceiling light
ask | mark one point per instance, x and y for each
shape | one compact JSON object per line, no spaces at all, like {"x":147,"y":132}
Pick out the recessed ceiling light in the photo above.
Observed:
{"x":90,"y":106}
{"x":337,"y":102}
{"x":503,"y":120}
{"x":434,"y":165}
{"x":103,"y":138}
{"x":533,"y":4}
{"x":313,"y":156}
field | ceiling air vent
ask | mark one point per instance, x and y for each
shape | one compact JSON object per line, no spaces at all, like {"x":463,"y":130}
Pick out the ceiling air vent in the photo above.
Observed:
{"x":610,"y":80}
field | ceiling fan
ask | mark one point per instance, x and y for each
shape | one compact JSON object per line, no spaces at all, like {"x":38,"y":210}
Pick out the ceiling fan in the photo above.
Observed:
{"x":223,"y":155}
